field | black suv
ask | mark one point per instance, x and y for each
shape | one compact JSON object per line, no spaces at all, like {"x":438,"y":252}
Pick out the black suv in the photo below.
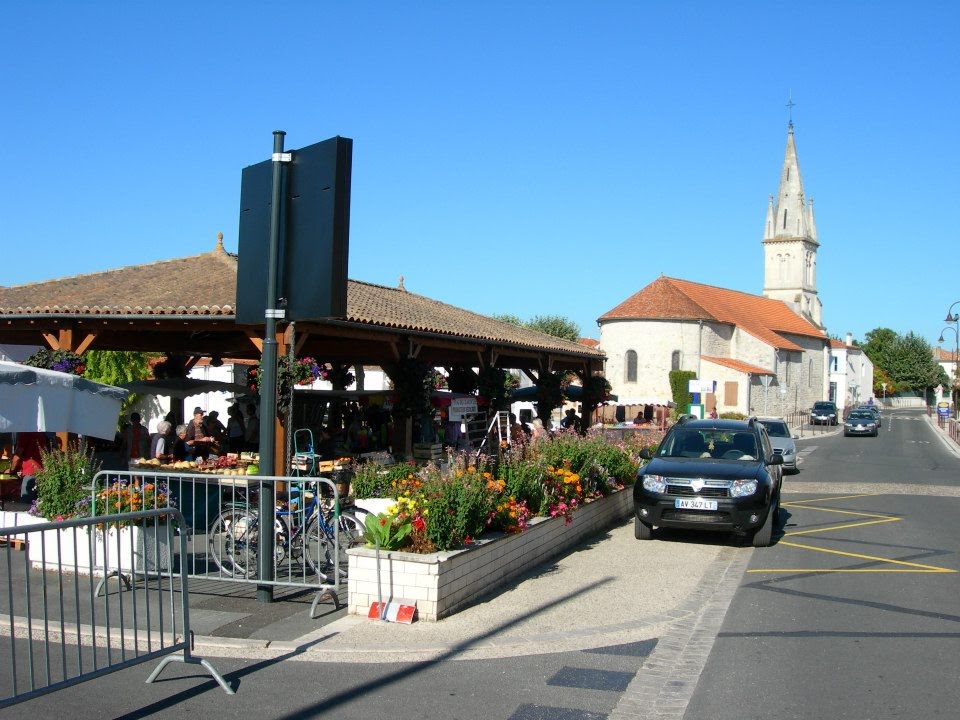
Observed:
{"x":710,"y":475}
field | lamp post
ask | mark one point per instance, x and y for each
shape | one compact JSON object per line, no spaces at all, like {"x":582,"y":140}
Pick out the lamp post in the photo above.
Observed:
{"x":956,"y":356}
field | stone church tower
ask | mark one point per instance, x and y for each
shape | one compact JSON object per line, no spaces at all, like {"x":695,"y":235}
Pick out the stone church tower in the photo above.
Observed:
{"x":790,"y":243}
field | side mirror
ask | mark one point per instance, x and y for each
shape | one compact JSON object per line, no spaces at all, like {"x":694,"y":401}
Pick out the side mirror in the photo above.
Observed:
{"x":646,"y":454}
{"x":795,"y":436}
{"x":775,"y":460}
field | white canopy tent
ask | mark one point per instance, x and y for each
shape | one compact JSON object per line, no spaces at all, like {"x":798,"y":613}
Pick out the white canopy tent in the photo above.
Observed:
{"x":36,"y":400}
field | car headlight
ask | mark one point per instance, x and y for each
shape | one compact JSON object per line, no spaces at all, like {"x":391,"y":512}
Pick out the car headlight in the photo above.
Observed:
{"x":655,"y":483}
{"x":742,"y":488}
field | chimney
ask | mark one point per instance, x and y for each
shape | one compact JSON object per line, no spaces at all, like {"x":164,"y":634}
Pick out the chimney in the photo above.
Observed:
{"x":849,"y":339}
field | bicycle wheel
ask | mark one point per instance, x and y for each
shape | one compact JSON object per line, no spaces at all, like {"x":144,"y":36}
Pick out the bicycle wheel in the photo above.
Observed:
{"x":320,"y":545}
{"x":233,"y":543}
{"x":315,"y":548}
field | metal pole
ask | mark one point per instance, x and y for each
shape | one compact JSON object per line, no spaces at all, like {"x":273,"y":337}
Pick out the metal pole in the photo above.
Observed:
{"x":268,"y":382}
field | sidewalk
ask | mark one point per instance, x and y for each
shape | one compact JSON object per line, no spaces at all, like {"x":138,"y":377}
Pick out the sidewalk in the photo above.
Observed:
{"x":611,"y":590}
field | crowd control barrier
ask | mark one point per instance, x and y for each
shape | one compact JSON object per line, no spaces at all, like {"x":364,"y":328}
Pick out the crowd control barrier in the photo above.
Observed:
{"x":64,"y":620}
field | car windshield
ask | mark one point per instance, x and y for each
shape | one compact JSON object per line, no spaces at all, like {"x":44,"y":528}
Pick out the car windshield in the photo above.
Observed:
{"x":861,"y":415}
{"x":823,"y":406}
{"x":719,"y":444}
{"x":776,"y":428}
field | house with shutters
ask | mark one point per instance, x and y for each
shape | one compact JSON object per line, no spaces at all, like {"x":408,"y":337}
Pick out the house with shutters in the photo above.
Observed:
{"x":764,"y":354}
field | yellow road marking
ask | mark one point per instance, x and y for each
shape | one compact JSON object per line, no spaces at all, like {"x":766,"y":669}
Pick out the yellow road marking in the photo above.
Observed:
{"x":874,"y":558}
{"x":877,"y":519}
{"x":841,"y":527}
{"x":841,"y":497}
{"x":848,"y":512}
{"x":938,"y":571}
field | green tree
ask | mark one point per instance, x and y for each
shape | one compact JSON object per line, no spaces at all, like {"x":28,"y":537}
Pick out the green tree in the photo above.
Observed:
{"x":910,"y":363}
{"x":555,"y":325}
{"x":115,"y":367}
{"x":511,"y":319}
{"x":879,"y":342}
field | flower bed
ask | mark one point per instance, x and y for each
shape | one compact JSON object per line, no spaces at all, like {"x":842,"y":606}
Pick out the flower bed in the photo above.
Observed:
{"x":449,"y":534}
{"x":444,"y":583}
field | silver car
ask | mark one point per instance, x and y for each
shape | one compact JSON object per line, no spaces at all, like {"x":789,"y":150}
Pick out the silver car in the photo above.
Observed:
{"x":782,"y":441}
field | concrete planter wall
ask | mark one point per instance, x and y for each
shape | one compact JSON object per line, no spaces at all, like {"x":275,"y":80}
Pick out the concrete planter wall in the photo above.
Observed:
{"x":444,"y":583}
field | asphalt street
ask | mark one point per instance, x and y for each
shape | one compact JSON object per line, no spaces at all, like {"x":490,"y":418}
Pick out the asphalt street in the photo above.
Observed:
{"x":848,"y":615}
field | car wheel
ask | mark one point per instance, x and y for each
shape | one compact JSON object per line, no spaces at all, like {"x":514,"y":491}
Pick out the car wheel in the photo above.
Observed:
{"x":642,"y":531}
{"x":764,"y":535}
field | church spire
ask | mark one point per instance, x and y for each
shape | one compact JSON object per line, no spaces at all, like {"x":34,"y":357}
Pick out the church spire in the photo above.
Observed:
{"x":792,"y":217}
{"x":790,"y":240}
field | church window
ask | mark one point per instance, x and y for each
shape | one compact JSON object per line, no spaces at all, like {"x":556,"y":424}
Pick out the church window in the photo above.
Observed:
{"x":810,"y":375}
{"x":675,"y":360}
{"x":631,"y":366}
{"x":784,"y":218}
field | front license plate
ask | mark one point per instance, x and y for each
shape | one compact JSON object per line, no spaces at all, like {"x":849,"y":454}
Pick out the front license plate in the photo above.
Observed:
{"x":695,"y":504}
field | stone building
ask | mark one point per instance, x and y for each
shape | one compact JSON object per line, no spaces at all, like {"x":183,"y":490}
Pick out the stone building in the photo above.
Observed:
{"x":761,"y":354}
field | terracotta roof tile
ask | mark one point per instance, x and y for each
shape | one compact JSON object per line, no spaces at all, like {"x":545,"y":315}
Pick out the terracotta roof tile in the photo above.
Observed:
{"x":673,"y":299}
{"x":738,"y":365}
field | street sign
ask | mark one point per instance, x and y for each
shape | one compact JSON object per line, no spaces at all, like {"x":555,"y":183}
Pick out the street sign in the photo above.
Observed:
{"x":943,"y":409}
{"x":315,"y":229}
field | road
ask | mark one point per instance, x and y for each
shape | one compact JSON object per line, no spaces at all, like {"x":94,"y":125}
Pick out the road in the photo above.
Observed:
{"x":852,"y":614}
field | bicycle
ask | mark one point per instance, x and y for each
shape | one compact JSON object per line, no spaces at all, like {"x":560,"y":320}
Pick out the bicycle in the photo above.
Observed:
{"x":303,"y":529}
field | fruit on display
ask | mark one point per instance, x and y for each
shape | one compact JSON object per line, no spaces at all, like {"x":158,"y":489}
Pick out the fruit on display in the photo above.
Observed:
{"x":253,"y":469}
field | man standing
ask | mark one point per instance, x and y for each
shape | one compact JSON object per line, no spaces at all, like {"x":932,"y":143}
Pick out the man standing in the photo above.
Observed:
{"x":136,"y":439}
{"x":197,"y":437}
{"x":252,"y":429}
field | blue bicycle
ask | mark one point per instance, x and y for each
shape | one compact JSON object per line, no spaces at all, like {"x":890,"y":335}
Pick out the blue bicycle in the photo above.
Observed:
{"x":304,"y":530}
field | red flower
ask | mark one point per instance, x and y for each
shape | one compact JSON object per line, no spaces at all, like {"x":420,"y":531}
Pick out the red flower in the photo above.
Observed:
{"x":419,"y":524}
{"x":383,"y":521}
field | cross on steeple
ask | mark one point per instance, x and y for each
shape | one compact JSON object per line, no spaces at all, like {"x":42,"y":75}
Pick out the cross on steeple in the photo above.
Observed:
{"x":790,"y":104}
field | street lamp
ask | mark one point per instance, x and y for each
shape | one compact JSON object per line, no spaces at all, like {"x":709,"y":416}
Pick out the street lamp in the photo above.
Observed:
{"x":956,"y":357}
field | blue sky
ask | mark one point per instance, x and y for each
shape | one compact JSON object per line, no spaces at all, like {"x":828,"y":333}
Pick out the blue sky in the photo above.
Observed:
{"x":527,"y":158}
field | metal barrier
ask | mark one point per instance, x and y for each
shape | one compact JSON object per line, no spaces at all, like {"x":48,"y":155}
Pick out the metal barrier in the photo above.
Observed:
{"x":223,"y":531}
{"x":61,"y":631}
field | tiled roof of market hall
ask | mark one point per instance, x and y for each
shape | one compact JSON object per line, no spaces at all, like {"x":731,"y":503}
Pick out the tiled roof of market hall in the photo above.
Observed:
{"x":206,"y":285}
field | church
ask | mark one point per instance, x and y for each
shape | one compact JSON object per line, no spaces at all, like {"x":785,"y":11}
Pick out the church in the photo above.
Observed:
{"x":759,"y":354}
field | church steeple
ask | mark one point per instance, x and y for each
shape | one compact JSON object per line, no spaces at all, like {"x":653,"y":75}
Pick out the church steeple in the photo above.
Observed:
{"x":790,"y":241}
{"x":791,"y":216}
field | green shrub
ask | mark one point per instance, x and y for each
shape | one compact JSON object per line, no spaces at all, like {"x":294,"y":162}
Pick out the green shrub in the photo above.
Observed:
{"x":523,"y":479}
{"x":371,"y":479}
{"x":456,"y":506}
{"x":680,"y":388}
{"x":63,"y":484}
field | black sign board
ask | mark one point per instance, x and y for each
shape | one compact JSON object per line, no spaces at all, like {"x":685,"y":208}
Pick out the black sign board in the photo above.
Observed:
{"x":314,"y":234}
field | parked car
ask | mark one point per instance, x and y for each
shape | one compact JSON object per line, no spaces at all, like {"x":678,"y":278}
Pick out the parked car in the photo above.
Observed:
{"x":782,"y":441}
{"x":710,"y":475}
{"x":823,"y":412}
{"x":875,"y":411}
{"x":860,"y":422}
